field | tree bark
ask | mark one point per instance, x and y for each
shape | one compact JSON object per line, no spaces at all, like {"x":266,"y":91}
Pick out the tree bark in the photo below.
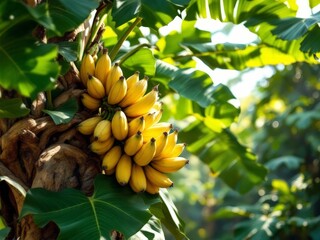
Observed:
{"x":37,"y":153}
{"x":34,"y":152}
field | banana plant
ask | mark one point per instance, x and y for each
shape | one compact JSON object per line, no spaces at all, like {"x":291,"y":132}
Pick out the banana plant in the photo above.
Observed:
{"x":52,"y":180}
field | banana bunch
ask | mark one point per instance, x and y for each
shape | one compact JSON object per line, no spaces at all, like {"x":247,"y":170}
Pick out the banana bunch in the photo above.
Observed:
{"x":125,"y":129}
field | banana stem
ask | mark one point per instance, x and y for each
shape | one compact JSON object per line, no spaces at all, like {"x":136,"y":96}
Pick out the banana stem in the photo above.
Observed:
{"x":116,"y":48}
{"x":98,"y":25}
{"x":98,"y":20}
{"x":49,"y":100}
{"x":133,"y":51}
{"x":79,"y":39}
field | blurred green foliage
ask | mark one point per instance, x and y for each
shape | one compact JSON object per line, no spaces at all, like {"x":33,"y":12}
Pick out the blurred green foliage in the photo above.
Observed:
{"x":280,"y":120}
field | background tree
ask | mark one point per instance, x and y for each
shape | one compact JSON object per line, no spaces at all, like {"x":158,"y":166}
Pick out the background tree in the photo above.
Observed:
{"x":280,"y":122}
{"x":41,"y":47}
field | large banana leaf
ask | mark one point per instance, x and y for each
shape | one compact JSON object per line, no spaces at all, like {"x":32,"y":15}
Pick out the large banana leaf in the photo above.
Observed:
{"x":80,"y":217}
{"x":225,"y":156}
{"x":167,"y":212}
{"x":261,"y":17}
{"x":208,"y":135}
{"x":59,"y":16}
{"x":237,"y":11}
{"x":154,"y":13}
{"x":299,"y":28}
{"x":26,"y":65}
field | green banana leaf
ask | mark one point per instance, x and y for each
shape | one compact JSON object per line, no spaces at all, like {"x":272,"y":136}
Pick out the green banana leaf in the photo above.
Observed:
{"x":80,"y":217}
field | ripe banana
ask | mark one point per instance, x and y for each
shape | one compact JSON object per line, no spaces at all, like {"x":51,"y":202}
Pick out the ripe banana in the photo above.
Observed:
{"x":103,"y":66}
{"x":123,"y":169}
{"x":172,"y":139}
{"x":142,"y":106}
{"x":87,"y":68}
{"x":158,"y":115}
{"x":161,"y":143}
{"x":136,"y":125}
{"x":157,"y":106}
{"x":177,"y":150}
{"x":111,"y":158}
{"x":101,"y":148}
{"x":169,"y":165}
{"x":157,"y":178}
{"x":149,"y":148}
{"x":156,"y":130}
{"x":149,"y":119}
{"x":114,"y":74}
{"x":87,"y":126}
{"x":133,"y":144}
{"x":119,"y":125}
{"x":90,"y":102}
{"x":134,"y":78}
{"x":118,"y":91}
{"x":95,"y":87}
{"x":102,"y":131}
{"x":138,"y":181}
{"x":145,"y":153}
{"x":151,"y":188}
{"x":135,"y":93}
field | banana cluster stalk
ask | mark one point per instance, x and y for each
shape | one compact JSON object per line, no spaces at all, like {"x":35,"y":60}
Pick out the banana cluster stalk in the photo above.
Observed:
{"x":125,"y":130}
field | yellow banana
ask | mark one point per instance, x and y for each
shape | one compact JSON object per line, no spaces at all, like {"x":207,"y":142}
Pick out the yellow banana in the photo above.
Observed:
{"x":169,"y":165}
{"x":157,"y":106}
{"x":143,"y":105}
{"x":157,"y":178}
{"x":151,"y":188}
{"x":136,"y":125}
{"x":135,"y":93}
{"x":118,"y":91}
{"x":161,"y":143}
{"x":119,"y":125}
{"x":172,"y":139}
{"x":149,"y":119}
{"x":87,"y":68}
{"x":90,"y":102}
{"x":158,"y":115}
{"x":123,"y":169}
{"x":102,"y":131}
{"x":101,"y":147}
{"x":87,"y":126}
{"x":103,"y":66}
{"x":111,"y":158}
{"x":95,"y":87}
{"x":114,"y":74}
{"x":145,"y":153}
{"x":138,"y":181}
{"x":152,"y":117}
{"x":134,"y":78}
{"x":156,"y":130}
{"x":176,"y":151}
{"x":133,"y":144}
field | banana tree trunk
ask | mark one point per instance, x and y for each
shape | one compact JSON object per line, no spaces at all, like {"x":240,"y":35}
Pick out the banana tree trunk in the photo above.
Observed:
{"x":36,"y":153}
